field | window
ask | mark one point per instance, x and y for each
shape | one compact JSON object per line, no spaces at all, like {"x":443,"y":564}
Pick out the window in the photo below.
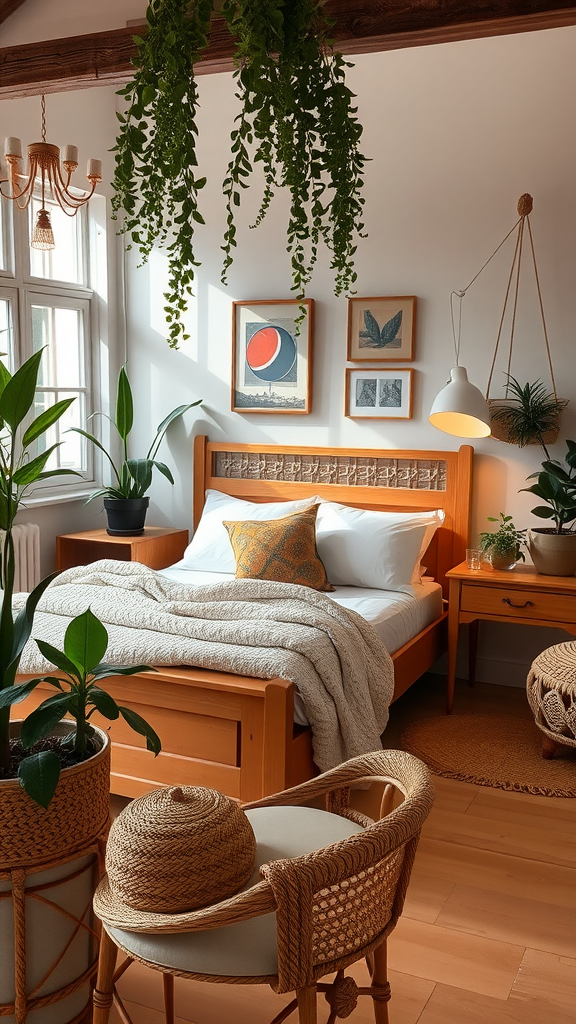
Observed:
{"x":46,"y":303}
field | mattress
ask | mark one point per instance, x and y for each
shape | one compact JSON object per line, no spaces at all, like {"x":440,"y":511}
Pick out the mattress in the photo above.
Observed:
{"x":396,"y":617}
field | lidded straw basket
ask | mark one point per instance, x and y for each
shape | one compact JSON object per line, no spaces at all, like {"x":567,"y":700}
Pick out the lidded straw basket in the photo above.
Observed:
{"x":179,"y":849}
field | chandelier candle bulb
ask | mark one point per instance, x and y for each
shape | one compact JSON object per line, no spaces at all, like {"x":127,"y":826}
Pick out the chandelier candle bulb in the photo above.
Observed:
{"x":94,"y":169}
{"x":13,"y":147}
{"x":70,"y":155}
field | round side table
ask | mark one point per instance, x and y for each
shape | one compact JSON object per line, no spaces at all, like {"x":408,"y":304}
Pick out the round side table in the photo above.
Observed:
{"x":551,"y":691}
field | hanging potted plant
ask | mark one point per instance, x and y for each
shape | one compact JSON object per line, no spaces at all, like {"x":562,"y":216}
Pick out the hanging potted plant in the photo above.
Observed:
{"x":54,"y":798}
{"x":553,"y":549}
{"x":528,"y":414}
{"x":298,"y":122}
{"x":504,"y":546}
{"x":125,"y":500}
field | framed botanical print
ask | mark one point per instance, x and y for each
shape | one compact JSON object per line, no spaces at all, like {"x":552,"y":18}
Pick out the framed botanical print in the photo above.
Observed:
{"x":381,"y":329}
{"x":378,"y":394}
{"x":271,"y":358}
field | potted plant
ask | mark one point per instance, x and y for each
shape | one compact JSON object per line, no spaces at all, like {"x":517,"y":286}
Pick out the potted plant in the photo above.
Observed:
{"x":553,"y":549}
{"x":297,"y":122}
{"x":503,"y":547}
{"x":57,"y":811}
{"x":125,"y":500}
{"x":530,"y":416}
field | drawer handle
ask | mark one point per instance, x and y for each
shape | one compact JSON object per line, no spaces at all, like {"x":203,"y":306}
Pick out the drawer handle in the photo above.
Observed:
{"x":506,"y":600}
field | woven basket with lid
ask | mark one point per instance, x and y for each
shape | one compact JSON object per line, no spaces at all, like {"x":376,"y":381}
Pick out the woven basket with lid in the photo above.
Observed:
{"x":179,"y":849}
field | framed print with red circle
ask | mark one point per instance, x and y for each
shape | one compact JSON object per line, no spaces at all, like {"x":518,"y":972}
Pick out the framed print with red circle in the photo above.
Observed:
{"x":272,"y":356}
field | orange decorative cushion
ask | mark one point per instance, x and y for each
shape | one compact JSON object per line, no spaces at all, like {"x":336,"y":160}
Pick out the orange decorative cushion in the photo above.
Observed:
{"x":279,"y":549}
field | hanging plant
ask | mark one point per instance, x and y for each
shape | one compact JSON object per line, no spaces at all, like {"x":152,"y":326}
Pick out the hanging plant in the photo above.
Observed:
{"x":155,"y":180}
{"x":529,"y":414}
{"x":298,"y":120}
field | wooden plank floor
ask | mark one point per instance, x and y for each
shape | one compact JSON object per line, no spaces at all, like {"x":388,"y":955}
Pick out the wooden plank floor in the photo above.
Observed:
{"x":488,"y":931}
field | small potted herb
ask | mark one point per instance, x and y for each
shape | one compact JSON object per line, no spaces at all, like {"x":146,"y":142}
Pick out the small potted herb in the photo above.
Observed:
{"x":504,"y":547}
{"x":553,"y":549}
{"x":125,"y":500}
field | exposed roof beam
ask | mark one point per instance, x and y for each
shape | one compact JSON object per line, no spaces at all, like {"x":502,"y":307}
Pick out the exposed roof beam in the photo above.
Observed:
{"x":362,"y":26}
{"x":7,"y":7}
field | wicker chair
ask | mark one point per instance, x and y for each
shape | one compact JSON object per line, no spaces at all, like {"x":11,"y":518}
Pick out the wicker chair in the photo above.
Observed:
{"x":330,"y":889}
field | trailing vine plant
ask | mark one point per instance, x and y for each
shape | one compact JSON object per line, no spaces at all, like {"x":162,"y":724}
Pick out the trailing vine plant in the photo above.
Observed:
{"x":298,"y":120}
{"x":155,"y":178}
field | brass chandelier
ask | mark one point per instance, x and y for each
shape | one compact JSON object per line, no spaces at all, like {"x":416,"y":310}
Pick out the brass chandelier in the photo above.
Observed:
{"x":54,"y":176}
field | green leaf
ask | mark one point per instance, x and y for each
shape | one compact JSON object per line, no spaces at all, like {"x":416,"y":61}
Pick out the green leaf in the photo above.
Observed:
{"x":41,"y":721}
{"x":18,"y":395}
{"x":140,"y":726}
{"x":94,"y":440}
{"x":58,"y":658}
{"x":30,"y":472}
{"x":23,"y":627}
{"x":543,"y":512}
{"x":104,"y":670}
{"x":141,"y":472}
{"x":104,"y":703}
{"x":124,"y":405}
{"x":38,"y":775}
{"x":45,"y":420}
{"x":16,"y":694}
{"x":163,"y":468}
{"x":163,"y":427}
{"x":85,"y":641}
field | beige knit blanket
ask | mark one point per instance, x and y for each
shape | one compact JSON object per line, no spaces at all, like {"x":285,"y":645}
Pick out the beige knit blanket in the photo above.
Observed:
{"x":250,"y":627}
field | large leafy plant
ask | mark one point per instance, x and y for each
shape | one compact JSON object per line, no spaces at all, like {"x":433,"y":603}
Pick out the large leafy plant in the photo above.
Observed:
{"x":298,"y":121}
{"x":556,"y":486}
{"x":21,"y":466}
{"x":79,"y":695}
{"x":133,"y":476}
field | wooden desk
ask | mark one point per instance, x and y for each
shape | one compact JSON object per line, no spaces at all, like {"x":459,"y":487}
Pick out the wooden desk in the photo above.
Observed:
{"x":157,"y":547}
{"x":514,"y":595}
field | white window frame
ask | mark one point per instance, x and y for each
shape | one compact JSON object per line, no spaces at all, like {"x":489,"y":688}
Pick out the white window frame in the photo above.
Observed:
{"x":23,"y":290}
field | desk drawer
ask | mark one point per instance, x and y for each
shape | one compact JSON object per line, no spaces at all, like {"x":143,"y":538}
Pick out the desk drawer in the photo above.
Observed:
{"x":519,"y":604}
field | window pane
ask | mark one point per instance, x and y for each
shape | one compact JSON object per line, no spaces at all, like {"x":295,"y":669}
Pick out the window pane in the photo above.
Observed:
{"x":62,"y":375}
{"x":6,"y":333}
{"x":64,"y":263}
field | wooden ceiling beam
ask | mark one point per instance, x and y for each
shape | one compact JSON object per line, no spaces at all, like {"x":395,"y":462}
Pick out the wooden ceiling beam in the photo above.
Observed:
{"x":362,"y":26}
{"x":7,"y":7}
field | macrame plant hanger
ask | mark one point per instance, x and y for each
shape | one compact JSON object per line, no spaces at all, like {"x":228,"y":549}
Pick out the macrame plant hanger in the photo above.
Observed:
{"x":499,"y":426}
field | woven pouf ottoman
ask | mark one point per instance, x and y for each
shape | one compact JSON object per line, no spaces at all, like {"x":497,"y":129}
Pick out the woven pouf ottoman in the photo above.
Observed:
{"x":551,"y":690}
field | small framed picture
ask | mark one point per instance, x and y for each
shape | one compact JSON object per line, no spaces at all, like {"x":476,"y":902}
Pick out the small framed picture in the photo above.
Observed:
{"x":381,"y":328}
{"x":377,"y":394}
{"x":271,"y":357}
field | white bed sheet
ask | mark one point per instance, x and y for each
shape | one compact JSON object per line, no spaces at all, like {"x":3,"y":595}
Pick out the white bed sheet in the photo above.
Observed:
{"x":396,"y":617}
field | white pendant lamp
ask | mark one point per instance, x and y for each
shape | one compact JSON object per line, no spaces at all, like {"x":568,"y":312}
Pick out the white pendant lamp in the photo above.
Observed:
{"x":460,"y":408}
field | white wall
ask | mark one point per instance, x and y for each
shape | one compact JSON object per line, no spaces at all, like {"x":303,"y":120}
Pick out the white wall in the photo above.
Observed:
{"x":456,"y":134}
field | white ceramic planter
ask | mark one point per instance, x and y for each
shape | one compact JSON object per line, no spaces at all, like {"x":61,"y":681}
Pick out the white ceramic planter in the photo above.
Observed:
{"x":48,"y":864}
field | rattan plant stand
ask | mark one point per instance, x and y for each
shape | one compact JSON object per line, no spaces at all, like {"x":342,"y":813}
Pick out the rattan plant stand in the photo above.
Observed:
{"x":551,"y":691}
{"x":50,"y":863}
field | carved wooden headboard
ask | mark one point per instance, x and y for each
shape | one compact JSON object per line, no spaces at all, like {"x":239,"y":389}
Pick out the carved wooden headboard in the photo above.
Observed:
{"x":385,"y":480}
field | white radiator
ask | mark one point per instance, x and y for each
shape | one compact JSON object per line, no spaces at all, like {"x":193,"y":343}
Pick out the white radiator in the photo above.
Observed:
{"x":26,"y":555}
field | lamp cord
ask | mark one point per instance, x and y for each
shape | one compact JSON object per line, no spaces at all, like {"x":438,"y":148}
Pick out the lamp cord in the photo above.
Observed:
{"x":457,"y":331}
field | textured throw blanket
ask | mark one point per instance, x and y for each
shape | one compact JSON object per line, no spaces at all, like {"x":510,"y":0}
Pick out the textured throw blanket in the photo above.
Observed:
{"x":250,"y":627}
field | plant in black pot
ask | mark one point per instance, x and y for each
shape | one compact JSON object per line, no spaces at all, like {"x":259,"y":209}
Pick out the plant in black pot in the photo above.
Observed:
{"x":553,"y":549}
{"x":125,"y":500}
{"x":503,"y":547}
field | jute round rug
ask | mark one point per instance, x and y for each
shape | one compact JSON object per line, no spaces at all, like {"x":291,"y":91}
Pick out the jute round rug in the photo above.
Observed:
{"x":502,"y":752}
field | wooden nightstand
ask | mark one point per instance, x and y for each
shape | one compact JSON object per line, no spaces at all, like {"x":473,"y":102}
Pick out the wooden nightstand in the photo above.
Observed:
{"x":157,"y":547}
{"x":517,"y":595}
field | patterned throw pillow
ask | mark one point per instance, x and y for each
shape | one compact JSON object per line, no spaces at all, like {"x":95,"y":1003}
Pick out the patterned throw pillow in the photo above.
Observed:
{"x":279,"y":549}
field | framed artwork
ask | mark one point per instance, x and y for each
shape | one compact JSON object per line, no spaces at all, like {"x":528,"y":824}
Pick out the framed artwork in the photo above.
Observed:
{"x":381,"y":328}
{"x":271,"y":360}
{"x":378,"y":394}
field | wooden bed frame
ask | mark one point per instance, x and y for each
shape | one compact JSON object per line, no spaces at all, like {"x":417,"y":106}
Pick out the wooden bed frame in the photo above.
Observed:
{"x":236,"y":733}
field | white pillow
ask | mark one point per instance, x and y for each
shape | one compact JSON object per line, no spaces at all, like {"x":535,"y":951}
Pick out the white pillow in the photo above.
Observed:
{"x":361,"y":548}
{"x":419,"y":569}
{"x":210,"y":549}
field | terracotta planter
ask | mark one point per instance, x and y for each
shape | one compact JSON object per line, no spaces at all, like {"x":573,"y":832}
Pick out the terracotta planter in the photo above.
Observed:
{"x":49,"y":865}
{"x":553,"y":554}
